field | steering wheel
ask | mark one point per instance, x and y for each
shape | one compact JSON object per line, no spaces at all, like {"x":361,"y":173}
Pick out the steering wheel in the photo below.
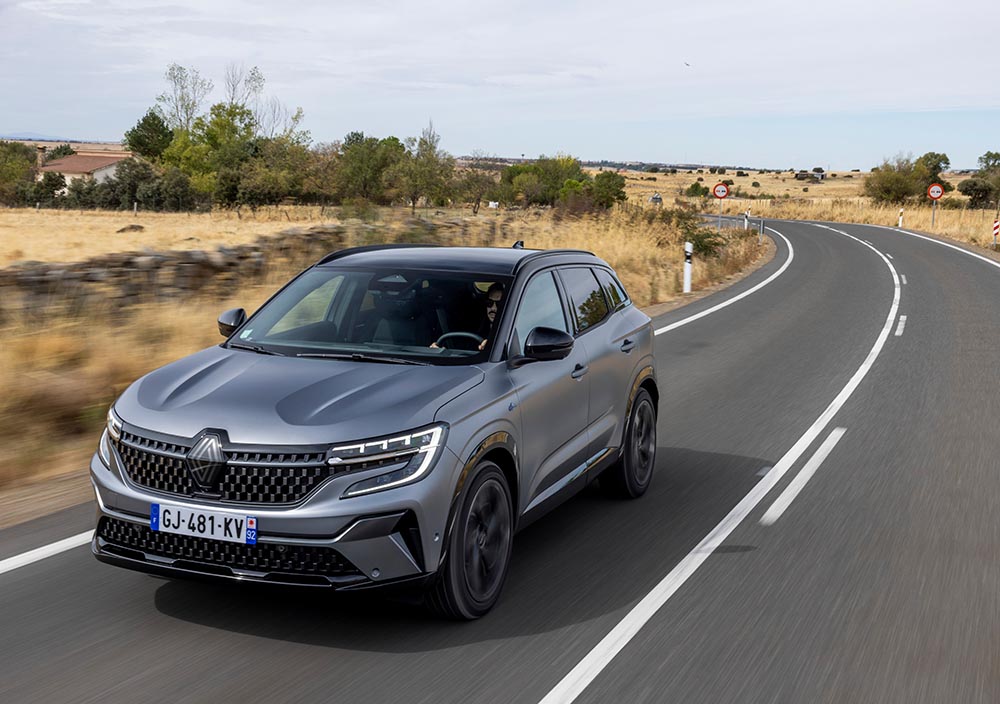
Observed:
{"x":462,"y":335}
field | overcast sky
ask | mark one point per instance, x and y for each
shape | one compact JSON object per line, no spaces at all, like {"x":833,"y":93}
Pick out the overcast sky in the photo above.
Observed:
{"x":764,"y":83}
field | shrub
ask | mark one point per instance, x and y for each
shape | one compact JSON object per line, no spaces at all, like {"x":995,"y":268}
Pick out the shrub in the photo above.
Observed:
{"x":696,"y":190}
{"x":980,"y":192}
{"x":755,"y":184}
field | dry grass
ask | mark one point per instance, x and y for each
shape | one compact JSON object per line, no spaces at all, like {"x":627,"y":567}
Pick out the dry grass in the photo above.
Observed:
{"x":57,"y":380}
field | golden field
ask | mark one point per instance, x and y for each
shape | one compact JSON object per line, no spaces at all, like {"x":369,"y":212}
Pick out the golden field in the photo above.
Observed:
{"x":58,"y":379}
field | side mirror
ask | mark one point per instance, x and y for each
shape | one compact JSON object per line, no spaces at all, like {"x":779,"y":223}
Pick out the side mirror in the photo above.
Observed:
{"x":546,"y":344}
{"x":230,"y":320}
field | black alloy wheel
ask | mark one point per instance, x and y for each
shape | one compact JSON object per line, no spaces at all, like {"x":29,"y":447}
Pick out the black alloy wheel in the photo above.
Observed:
{"x":631,"y":476}
{"x":479,"y":548}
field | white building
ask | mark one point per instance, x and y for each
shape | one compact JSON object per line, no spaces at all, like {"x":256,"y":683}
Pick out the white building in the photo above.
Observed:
{"x":94,"y":167}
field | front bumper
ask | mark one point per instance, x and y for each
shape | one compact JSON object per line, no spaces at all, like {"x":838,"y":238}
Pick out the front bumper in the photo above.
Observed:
{"x":355,"y":543}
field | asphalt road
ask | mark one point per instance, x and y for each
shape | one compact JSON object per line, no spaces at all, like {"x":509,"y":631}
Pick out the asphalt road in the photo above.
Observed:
{"x":878,"y":583}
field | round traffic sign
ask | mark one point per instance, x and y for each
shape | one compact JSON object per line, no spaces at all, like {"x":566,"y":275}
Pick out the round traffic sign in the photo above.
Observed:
{"x":721,"y":190}
{"x":935,"y":191}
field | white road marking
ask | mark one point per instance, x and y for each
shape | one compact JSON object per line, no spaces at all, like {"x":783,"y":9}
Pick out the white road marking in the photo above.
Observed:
{"x":26,"y":558}
{"x":888,"y":255}
{"x":943,"y":244}
{"x":903,"y":277}
{"x":902,"y":324}
{"x":762,"y":284}
{"x":577,"y":679}
{"x":805,"y":474}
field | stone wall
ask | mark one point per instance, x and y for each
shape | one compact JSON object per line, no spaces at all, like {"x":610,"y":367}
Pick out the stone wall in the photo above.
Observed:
{"x":29,"y":289}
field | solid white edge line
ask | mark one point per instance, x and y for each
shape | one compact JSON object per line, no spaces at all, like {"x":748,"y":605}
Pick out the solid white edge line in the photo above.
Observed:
{"x":943,"y":244}
{"x":577,"y":679}
{"x":26,"y":558}
{"x":762,"y":284}
{"x":799,"y":481}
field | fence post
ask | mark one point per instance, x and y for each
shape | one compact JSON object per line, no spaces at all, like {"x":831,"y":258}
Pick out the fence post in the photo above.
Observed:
{"x":135,"y":208}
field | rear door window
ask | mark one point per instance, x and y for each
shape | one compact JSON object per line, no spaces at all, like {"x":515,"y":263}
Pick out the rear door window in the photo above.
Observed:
{"x":614,"y":291}
{"x":586,"y":297}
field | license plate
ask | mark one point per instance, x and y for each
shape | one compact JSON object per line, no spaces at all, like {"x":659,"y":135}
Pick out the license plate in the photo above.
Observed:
{"x":203,"y":524}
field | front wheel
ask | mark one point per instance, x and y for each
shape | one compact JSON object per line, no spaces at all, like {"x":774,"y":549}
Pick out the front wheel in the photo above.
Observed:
{"x":631,"y":476}
{"x":479,"y":547}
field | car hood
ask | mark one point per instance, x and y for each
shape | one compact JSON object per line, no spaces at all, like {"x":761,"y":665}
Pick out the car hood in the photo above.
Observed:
{"x":260,"y":399}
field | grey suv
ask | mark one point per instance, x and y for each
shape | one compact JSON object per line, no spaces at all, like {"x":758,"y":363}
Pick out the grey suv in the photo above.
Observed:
{"x":392,"y":415}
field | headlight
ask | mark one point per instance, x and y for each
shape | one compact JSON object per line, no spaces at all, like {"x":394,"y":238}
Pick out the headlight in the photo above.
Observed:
{"x":113,"y":431}
{"x":406,"y":457}
{"x":114,"y":424}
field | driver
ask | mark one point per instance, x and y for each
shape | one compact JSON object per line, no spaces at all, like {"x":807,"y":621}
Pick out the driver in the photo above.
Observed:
{"x":488,"y":320}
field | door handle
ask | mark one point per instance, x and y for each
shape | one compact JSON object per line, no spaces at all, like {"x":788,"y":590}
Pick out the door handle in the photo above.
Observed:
{"x":579,"y":371}
{"x":627,"y":345}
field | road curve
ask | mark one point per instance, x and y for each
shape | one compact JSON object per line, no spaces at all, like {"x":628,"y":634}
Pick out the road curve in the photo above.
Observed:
{"x":877,"y":583}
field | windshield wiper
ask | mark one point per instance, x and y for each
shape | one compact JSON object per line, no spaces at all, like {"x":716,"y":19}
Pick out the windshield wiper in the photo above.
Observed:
{"x":254,"y":348}
{"x":359,"y":357}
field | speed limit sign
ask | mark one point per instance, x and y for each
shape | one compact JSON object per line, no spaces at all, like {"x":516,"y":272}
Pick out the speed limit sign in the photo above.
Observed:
{"x":720,"y":191}
{"x":935,"y":191}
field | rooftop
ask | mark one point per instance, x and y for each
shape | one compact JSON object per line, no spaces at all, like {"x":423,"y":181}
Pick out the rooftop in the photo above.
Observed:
{"x":486,"y":260}
{"x":82,"y":163}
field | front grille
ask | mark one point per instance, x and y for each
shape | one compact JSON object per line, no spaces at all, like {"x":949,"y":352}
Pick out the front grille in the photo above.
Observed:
{"x":259,"y":477}
{"x":263,"y":557}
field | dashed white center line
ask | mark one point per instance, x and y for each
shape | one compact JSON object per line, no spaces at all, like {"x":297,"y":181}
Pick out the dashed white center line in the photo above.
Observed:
{"x":888,"y":255}
{"x":795,"y":486}
{"x":902,"y":324}
{"x":903,"y":277}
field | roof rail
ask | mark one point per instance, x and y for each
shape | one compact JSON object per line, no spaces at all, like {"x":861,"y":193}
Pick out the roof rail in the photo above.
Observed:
{"x":548,"y":253}
{"x":367,"y":248}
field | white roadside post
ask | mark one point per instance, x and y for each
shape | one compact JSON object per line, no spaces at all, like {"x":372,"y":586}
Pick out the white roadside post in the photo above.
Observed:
{"x":934,"y":192}
{"x":996,"y":231}
{"x":900,"y":225}
{"x":688,"y":250}
{"x":746,"y":220}
{"x":720,"y":191}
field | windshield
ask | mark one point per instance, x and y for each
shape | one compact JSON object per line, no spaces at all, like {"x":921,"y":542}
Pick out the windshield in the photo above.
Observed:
{"x":384,"y":315}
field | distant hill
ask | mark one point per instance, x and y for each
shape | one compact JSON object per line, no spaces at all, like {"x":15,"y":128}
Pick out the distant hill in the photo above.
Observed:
{"x":34,"y":136}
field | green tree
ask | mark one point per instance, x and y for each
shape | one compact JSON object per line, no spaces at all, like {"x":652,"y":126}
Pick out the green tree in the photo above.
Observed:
{"x":60,"y":152}
{"x":990,"y":161}
{"x":48,"y":190}
{"x":928,"y":169}
{"x":176,"y":190}
{"x":477,"y":179}
{"x":181,"y":103}
{"x":894,"y":181}
{"x":131,"y":176}
{"x":696,"y":190}
{"x":425,"y":171}
{"x":364,"y":164}
{"x":17,"y":163}
{"x":981,"y":193}
{"x":609,"y":189}
{"x":150,"y":137}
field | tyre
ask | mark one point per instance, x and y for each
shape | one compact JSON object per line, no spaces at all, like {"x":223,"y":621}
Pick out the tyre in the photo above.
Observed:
{"x":630,"y":477}
{"x":479,"y":547}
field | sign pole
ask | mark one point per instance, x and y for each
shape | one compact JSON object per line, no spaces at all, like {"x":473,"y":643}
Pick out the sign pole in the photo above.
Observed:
{"x":933,"y":212}
{"x":719,"y":228}
{"x":934,"y":192}
{"x":720,"y":191}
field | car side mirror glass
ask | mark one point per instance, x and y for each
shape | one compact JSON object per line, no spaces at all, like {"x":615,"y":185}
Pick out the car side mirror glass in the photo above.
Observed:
{"x":546,"y":344}
{"x":230,"y":320}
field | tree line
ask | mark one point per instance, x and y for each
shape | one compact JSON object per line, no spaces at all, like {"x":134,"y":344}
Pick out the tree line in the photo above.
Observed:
{"x":905,"y":179}
{"x":249,"y":150}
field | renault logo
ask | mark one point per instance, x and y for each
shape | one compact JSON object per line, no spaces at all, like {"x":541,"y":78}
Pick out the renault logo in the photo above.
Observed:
{"x":206,"y":461}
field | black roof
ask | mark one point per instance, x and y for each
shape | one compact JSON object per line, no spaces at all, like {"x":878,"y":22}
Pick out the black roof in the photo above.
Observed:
{"x":485,"y":260}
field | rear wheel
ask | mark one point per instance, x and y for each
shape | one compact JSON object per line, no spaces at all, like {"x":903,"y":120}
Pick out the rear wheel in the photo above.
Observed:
{"x":631,"y":476}
{"x":479,"y":547}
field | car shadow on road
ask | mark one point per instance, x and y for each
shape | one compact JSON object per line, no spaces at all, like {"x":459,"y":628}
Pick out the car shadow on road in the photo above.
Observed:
{"x":591,"y":558}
